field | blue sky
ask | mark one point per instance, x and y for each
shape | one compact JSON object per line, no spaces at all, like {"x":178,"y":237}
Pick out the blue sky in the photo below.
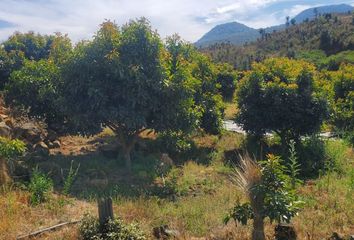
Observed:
{"x":190,"y":18}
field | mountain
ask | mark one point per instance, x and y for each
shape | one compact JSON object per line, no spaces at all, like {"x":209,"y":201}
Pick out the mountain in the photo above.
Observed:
{"x":311,"y":12}
{"x":234,"y":32}
{"x":5,"y":24}
{"x":238,"y":34}
{"x":330,"y":38}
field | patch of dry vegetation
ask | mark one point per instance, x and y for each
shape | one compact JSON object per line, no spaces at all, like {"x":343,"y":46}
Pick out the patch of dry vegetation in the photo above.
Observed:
{"x":204,"y":194}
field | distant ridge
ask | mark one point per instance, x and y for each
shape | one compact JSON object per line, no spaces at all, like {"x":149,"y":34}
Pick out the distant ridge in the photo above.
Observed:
{"x":5,"y":24}
{"x":238,"y":33}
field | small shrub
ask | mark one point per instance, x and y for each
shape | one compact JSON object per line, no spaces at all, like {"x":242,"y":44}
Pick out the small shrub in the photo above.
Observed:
{"x":11,"y":148}
{"x":240,"y":213}
{"x":90,"y":229}
{"x":174,"y":143}
{"x":40,"y":187}
{"x":312,"y":155}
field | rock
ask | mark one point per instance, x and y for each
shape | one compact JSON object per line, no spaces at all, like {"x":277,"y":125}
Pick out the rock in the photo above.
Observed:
{"x":351,"y":237}
{"x":335,"y":236}
{"x":29,"y":132}
{"x":52,"y":136}
{"x":21,"y":171}
{"x":5,"y":131}
{"x":56,"y":144}
{"x":3,"y":117}
{"x":41,"y":148}
{"x":50,"y":145}
{"x":163,"y":232}
{"x":285,"y":232}
{"x":160,"y":232}
{"x":9,"y":123}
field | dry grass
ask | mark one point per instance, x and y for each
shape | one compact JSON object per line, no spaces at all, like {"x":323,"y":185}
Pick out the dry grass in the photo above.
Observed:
{"x":208,"y":196}
{"x":230,"y":110}
{"x":18,"y":217}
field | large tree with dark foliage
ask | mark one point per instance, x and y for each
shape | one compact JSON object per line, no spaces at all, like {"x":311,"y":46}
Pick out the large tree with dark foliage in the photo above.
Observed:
{"x":278,"y":95}
{"x":128,"y":80}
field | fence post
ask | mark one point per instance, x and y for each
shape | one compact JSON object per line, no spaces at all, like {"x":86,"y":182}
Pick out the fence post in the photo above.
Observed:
{"x":105,"y":210}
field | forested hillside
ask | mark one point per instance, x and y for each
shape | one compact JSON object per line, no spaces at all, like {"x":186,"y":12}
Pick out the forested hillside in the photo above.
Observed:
{"x":328,"y":34}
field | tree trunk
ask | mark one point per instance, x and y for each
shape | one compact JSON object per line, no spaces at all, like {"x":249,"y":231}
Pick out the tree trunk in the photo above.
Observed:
{"x":4,"y":176}
{"x":128,"y":161}
{"x":258,"y":228}
{"x":127,"y":141}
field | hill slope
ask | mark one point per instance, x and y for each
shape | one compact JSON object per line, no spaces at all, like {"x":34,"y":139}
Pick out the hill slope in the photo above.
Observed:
{"x":238,"y":34}
{"x":311,"y":12}
{"x":330,"y":36}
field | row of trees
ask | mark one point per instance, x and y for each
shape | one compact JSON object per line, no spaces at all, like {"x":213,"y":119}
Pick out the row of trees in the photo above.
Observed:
{"x":125,"y":78}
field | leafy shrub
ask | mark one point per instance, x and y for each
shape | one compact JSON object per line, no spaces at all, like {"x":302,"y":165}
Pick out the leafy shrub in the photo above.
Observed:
{"x":240,"y":213}
{"x":90,"y":229}
{"x":40,"y":187}
{"x":174,"y":143}
{"x":11,"y":148}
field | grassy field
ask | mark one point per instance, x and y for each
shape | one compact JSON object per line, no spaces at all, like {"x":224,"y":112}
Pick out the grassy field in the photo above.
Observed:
{"x":192,"y":197}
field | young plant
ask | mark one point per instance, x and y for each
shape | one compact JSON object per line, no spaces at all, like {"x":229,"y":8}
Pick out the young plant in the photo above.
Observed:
{"x":69,"y":180}
{"x":266,"y":186}
{"x":8,"y":150}
{"x":40,"y":187}
{"x":294,"y":167}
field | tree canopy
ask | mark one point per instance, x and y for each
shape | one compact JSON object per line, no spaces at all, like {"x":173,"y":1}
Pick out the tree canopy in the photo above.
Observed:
{"x":278,"y":95}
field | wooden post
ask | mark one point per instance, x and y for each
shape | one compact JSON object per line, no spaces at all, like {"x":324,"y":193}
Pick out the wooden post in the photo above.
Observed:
{"x":105,"y":210}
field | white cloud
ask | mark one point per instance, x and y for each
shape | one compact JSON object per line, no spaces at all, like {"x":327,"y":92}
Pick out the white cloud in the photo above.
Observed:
{"x":80,"y":18}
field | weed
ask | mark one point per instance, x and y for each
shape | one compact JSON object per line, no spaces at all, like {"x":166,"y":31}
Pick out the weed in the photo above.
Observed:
{"x":293,"y":166}
{"x":40,"y":187}
{"x":114,"y":230}
{"x":69,"y":180}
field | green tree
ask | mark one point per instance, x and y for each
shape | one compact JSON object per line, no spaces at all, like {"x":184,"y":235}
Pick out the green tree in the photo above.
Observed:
{"x":278,"y":95}
{"x":30,"y":46}
{"x":343,"y":101}
{"x":207,"y":95}
{"x":34,"y":46}
{"x":293,"y":21}
{"x":35,"y":88}
{"x":129,"y":81}
{"x":116,"y":81}
{"x":227,"y":77}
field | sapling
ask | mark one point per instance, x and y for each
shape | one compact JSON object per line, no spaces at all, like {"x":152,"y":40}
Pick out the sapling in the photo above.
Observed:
{"x":293,"y":166}
{"x":267,"y":188}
